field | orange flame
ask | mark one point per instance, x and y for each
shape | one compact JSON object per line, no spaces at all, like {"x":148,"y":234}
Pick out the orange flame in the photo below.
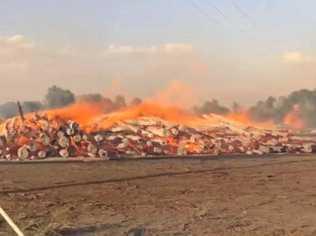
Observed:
{"x":293,"y":119}
{"x":168,"y":113}
{"x":94,"y":117}
{"x":244,"y":118}
{"x":82,"y":113}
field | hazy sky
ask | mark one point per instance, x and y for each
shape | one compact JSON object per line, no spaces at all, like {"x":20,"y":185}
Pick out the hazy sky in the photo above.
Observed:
{"x":240,"y":50}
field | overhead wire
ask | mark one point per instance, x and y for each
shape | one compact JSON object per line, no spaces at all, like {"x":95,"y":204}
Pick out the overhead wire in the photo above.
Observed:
{"x":237,"y":7}
{"x":242,"y":12}
{"x":203,"y":12}
{"x":219,"y":11}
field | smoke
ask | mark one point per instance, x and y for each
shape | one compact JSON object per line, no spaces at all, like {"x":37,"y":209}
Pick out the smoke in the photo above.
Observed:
{"x":55,"y":98}
{"x":32,"y":106}
{"x":176,"y":93}
{"x":8,"y":109}
{"x":90,"y":98}
{"x":297,"y":110}
{"x":58,"y":97}
{"x":136,"y":101}
{"x":301,"y":103}
{"x":211,"y":107}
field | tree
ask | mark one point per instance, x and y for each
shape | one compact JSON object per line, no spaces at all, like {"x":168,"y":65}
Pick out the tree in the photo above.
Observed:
{"x":93,"y":97}
{"x":8,"y":109}
{"x":277,"y":109}
{"x":212,"y":107}
{"x":58,"y":97}
{"x":119,"y":102}
{"x":32,"y":106}
{"x":136,"y":101}
{"x":236,"y":108}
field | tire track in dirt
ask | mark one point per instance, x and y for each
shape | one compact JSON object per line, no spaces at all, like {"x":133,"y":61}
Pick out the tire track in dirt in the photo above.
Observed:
{"x":158,"y":175}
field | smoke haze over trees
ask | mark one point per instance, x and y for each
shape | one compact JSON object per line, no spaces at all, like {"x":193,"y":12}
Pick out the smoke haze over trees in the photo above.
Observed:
{"x":211,"y":107}
{"x":275,"y":109}
{"x":271,"y":109}
{"x":58,"y":97}
{"x":8,"y":109}
{"x":136,"y":101}
{"x":32,"y":106}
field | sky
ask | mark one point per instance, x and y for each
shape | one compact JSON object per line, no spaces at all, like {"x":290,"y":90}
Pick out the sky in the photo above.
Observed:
{"x":230,"y":50}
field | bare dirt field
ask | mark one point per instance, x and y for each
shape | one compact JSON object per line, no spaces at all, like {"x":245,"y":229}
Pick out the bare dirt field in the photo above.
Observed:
{"x":202,"y":196}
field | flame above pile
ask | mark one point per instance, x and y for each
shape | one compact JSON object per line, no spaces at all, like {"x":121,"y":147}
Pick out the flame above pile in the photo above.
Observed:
{"x":90,"y":130}
{"x":294,"y":119}
{"x":93,"y":117}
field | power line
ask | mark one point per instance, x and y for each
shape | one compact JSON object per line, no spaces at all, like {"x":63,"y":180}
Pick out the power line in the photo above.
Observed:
{"x":211,"y":19}
{"x":219,"y":11}
{"x":242,"y":12}
{"x":224,"y":16}
{"x":206,"y":14}
{"x":203,"y":12}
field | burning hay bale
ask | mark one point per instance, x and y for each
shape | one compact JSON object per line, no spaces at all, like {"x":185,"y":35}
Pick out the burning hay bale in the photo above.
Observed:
{"x":38,"y":136}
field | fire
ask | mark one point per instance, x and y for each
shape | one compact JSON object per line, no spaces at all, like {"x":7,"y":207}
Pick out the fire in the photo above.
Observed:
{"x":168,"y":113}
{"x":175,"y":115}
{"x":82,"y":113}
{"x":167,"y":105}
{"x":293,"y":119}
{"x":176,"y":94}
{"x":90,"y":130}
{"x":243,"y":117}
{"x":94,"y":117}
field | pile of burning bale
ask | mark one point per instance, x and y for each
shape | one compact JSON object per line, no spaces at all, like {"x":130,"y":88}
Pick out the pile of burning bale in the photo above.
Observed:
{"x":40,"y":137}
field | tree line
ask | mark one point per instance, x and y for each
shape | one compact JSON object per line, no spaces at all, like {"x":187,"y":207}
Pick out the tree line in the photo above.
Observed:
{"x":57,"y":97}
{"x":272,"y":108}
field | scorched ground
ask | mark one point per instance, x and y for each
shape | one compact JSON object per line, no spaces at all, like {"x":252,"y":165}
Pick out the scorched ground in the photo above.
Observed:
{"x":199,"y":196}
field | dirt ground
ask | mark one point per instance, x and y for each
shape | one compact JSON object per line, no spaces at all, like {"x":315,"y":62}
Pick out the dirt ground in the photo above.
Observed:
{"x":202,"y":196}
